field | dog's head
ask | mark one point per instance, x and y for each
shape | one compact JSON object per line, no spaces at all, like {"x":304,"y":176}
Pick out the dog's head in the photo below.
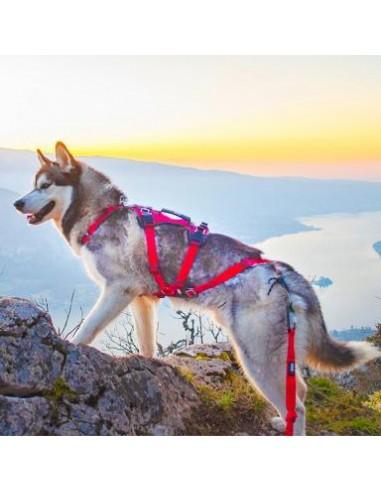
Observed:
{"x":53,"y":187}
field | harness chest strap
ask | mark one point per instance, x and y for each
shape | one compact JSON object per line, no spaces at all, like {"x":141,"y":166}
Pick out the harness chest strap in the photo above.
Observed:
{"x":93,"y":227}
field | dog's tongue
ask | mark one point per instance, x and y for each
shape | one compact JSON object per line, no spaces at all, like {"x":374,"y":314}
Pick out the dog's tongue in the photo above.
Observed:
{"x":31,"y":218}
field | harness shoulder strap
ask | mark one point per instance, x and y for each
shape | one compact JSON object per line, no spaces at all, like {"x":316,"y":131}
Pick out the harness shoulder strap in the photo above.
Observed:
{"x":146,"y":220}
{"x":94,"y":226}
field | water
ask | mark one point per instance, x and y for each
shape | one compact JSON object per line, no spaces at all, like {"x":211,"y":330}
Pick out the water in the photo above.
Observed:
{"x":341,"y":249}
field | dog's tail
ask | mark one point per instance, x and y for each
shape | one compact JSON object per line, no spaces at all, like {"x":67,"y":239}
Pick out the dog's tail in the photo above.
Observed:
{"x":325,"y":354}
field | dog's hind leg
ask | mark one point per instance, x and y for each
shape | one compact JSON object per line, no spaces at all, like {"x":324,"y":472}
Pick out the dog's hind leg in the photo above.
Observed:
{"x":279,"y":423}
{"x":110,"y":304}
{"x":259,"y":335}
{"x":144,"y":312}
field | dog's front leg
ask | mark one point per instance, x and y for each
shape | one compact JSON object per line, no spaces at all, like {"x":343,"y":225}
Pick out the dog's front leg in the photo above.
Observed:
{"x":110,"y":304}
{"x":144,"y":312}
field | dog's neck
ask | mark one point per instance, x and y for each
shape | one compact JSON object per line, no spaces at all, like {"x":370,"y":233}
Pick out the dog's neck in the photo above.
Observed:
{"x":90,"y":196}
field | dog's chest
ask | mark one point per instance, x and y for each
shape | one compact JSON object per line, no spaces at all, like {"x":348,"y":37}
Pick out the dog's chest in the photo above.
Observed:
{"x":92,"y":267}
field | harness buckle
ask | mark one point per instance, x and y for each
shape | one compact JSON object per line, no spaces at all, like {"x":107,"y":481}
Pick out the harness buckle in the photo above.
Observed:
{"x":168,"y":290}
{"x":85,"y":238}
{"x":200,"y":234}
{"x":291,"y":368}
{"x":146,"y":217}
{"x":123,"y":201}
{"x":190,"y":292}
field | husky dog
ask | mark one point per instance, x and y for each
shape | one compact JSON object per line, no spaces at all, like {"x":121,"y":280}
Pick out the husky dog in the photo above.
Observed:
{"x":74,"y":194}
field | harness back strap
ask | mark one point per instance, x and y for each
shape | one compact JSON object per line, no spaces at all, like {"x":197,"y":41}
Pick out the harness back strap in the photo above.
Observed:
{"x":227,"y":274}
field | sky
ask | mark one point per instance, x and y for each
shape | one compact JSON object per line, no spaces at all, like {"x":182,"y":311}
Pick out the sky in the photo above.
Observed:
{"x":306,"y":116}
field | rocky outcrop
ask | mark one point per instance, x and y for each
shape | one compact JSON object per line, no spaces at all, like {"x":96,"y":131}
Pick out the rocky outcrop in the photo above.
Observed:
{"x":51,"y":387}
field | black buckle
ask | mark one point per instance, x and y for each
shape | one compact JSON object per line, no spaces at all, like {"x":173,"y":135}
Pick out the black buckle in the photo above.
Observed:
{"x":146,"y":217}
{"x":291,"y":368}
{"x":190,"y":292}
{"x":200,"y":234}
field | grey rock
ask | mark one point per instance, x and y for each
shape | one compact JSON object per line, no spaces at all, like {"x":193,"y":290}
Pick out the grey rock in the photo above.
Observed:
{"x":209,"y":364}
{"x":50,"y":387}
{"x":24,"y":416}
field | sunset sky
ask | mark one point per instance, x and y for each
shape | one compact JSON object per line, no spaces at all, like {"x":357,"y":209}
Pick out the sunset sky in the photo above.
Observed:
{"x":310,"y":116}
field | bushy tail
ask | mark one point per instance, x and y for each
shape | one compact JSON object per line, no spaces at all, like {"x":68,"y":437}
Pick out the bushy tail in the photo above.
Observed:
{"x":326,"y":354}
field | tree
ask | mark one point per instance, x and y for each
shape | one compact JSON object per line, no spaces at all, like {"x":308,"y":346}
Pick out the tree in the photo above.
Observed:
{"x":121,"y":338}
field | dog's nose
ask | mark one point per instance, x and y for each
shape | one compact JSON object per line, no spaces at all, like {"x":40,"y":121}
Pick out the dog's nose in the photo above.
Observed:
{"x":19,"y":204}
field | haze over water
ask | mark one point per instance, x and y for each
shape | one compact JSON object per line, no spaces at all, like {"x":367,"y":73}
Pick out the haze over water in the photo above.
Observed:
{"x":342,"y":249}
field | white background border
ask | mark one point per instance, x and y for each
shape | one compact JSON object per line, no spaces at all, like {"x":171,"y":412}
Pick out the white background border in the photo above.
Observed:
{"x":192,"y":27}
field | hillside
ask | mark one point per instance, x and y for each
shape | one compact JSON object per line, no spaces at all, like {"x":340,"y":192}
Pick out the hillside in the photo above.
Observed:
{"x":50,"y":387}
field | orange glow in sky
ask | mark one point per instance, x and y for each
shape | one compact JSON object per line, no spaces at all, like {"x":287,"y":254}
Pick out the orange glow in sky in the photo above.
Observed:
{"x":311,"y":116}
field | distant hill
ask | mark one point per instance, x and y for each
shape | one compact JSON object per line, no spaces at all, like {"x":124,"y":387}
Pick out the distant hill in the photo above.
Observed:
{"x":251,"y":208}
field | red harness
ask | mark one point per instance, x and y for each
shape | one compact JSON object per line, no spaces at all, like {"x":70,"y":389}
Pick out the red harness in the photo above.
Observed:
{"x":148,"y":219}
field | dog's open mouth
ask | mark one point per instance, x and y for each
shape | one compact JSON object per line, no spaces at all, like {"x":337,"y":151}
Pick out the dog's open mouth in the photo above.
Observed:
{"x":38,"y":216}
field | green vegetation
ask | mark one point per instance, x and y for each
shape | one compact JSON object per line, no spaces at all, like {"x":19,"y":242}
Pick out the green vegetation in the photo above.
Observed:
{"x":374,"y":401}
{"x":60,"y":391}
{"x":228,"y":408}
{"x":333,"y":409}
{"x":376,"y":337}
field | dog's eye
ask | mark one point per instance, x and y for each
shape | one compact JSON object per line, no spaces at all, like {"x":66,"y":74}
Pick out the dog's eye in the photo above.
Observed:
{"x":44,"y":186}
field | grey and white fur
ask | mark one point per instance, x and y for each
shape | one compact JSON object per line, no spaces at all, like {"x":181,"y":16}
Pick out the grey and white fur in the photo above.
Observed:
{"x":73,"y":194}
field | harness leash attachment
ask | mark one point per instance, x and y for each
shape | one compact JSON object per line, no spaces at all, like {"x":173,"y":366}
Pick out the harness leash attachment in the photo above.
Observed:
{"x":290,"y":373}
{"x":291,"y":385}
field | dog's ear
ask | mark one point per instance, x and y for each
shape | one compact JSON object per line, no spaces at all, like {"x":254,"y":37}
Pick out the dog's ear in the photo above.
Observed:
{"x":44,"y":161}
{"x":64,"y":158}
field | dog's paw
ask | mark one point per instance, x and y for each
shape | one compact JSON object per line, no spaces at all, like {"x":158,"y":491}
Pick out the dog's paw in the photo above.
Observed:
{"x":278,"y":424}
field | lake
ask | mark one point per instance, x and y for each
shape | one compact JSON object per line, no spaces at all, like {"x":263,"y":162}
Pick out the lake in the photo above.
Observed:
{"x":342,"y":250}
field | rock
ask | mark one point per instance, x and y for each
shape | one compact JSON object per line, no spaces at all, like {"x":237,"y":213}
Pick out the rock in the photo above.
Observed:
{"x":209,"y":364}
{"x":364,"y":380}
{"x":51,"y":387}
